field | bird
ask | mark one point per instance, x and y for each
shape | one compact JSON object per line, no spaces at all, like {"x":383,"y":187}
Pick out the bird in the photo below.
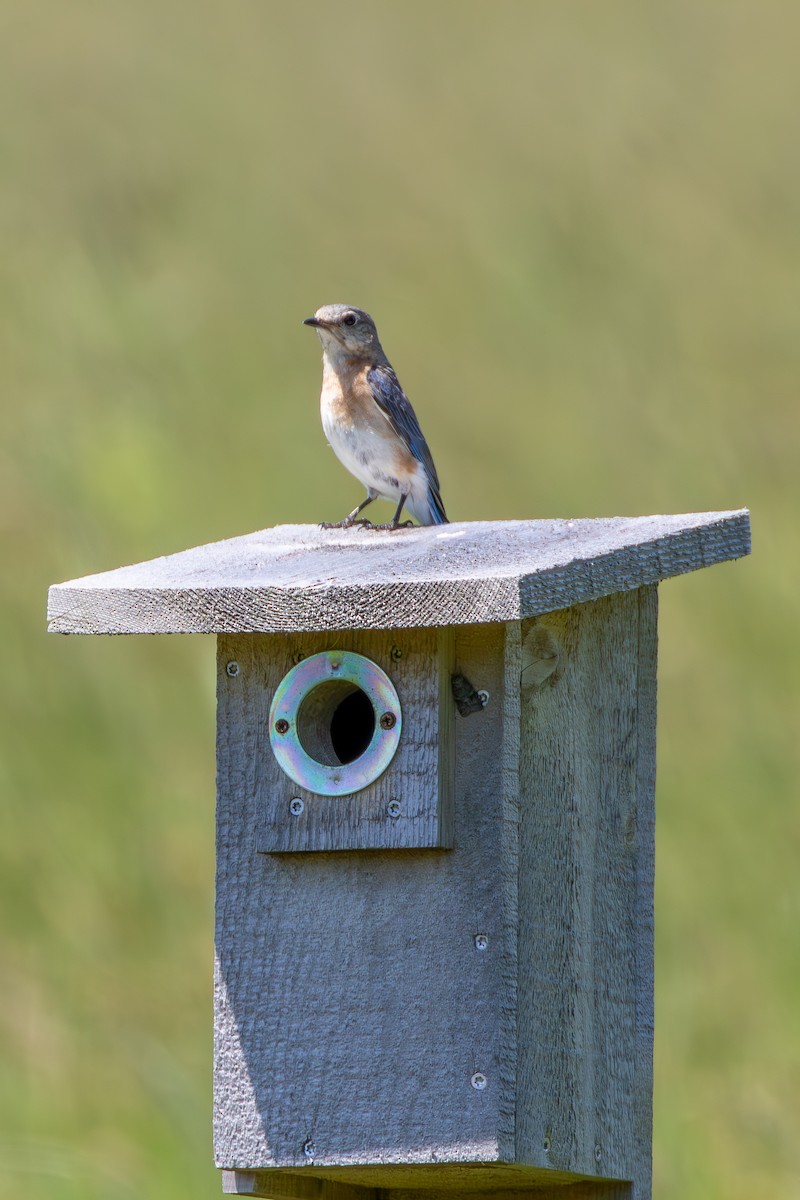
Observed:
{"x":369,"y":422}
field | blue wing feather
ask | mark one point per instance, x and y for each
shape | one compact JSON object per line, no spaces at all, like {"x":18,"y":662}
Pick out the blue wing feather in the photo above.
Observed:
{"x":395,"y":404}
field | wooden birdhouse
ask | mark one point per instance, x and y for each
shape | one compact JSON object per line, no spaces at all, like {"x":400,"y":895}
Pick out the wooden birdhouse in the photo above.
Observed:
{"x":435,"y":840}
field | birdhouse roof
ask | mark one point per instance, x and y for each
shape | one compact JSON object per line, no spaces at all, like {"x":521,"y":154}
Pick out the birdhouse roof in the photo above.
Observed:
{"x":296,"y":578}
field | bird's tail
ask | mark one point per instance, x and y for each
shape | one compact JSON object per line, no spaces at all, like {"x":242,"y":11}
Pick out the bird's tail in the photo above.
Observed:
{"x":437,"y":514}
{"x":424,"y":502}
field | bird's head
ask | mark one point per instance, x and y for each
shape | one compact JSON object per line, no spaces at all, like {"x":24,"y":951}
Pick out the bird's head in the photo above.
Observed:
{"x":346,"y":331}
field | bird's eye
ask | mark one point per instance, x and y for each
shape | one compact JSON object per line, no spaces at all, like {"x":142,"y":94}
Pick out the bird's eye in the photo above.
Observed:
{"x":350,"y":319}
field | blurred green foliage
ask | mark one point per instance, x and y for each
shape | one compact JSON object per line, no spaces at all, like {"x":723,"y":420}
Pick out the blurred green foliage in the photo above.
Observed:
{"x":577,"y":228}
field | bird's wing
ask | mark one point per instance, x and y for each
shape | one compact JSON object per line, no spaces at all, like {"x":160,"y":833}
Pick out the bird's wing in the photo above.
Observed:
{"x":396,"y":407}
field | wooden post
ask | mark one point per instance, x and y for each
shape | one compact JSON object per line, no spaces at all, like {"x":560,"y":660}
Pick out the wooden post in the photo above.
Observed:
{"x":440,"y":983}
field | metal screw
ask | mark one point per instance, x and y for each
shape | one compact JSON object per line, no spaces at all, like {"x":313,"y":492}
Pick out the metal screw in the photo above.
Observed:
{"x":281,"y":726}
{"x":396,"y":653}
{"x":232,"y":669}
{"x":309,"y":1149}
{"x":393,"y":808}
{"x":483,"y":696}
{"x":296,"y":806}
{"x":479,"y":1081}
{"x":298,"y":658}
{"x":481,"y":941}
{"x":388,"y":721}
{"x":598,"y":1152}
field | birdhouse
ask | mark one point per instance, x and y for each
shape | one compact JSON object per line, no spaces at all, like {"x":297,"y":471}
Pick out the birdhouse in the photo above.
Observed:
{"x":435,"y":843}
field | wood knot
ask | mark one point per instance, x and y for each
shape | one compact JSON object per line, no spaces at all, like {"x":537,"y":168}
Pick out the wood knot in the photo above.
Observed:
{"x":541,"y":654}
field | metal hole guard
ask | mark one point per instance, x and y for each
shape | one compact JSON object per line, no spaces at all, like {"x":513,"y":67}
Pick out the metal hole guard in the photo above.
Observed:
{"x":334,"y":666}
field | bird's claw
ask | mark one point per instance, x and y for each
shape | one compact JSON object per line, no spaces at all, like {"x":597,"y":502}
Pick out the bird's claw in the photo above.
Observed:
{"x":393,"y":525}
{"x":346,"y":523}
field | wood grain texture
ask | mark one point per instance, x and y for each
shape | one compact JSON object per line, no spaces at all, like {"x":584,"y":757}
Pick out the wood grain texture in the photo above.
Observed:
{"x":419,"y":777}
{"x":500,"y":1181}
{"x":284,"y":1185}
{"x":352,"y":1004}
{"x":644,"y":838}
{"x":586,"y":887}
{"x":304,"y":579}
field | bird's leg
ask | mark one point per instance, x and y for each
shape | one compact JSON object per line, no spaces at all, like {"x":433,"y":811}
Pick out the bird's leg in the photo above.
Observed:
{"x":350,"y":519}
{"x":395,"y":522}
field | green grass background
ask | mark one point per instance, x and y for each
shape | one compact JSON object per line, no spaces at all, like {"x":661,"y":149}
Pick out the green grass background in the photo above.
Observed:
{"x":577,"y":227}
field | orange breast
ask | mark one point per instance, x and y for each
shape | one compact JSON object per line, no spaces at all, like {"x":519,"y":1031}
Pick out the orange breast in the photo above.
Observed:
{"x":350,"y":412}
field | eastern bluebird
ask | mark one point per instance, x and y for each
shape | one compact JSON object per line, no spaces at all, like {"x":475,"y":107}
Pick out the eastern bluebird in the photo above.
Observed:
{"x":369,"y":421}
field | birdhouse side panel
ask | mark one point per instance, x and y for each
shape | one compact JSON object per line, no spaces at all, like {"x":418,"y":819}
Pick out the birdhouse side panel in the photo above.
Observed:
{"x":587,"y":780}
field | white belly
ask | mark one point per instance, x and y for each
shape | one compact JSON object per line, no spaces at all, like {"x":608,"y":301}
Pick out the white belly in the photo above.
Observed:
{"x":368,"y":454}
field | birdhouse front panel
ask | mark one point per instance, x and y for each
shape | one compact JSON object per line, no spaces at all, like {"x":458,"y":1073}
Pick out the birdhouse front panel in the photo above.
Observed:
{"x":365,"y":999}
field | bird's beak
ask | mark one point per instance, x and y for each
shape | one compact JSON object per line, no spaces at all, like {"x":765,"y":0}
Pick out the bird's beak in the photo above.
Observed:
{"x":313,"y":321}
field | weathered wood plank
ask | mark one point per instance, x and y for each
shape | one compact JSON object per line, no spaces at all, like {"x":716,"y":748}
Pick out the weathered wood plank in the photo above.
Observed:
{"x":643,"y":838}
{"x":431,"y":1181}
{"x":585,"y":940}
{"x":529,"y":1189}
{"x":302,"y":578}
{"x":419,"y":778}
{"x":353,"y":1006}
{"x":282,"y":1185}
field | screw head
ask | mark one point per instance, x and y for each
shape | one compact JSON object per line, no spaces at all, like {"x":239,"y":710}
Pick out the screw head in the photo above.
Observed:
{"x":483,"y":696}
{"x":388,"y":720}
{"x":298,"y":658}
{"x":479,"y":1081}
{"x":396,"y":653}
{"x":281,"y":726}
{"x":232,"y":669}
{"x":309,"y":1149}
{"x":393,"y":808}
{"x":481,"y":941}
{"x":598,"y":1152}
{"x":296,"y":806}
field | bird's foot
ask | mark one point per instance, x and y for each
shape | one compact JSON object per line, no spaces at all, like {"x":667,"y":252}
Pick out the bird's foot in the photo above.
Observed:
{"x":393,"y":525}
{"x":346,"y":523}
